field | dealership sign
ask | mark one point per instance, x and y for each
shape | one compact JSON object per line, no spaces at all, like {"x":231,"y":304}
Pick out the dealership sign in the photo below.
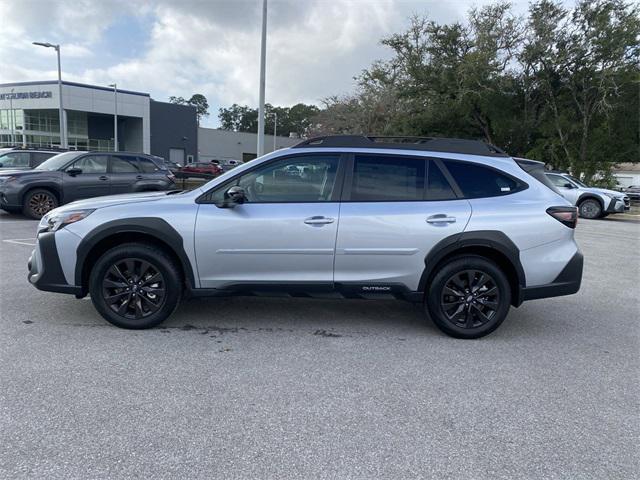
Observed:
{"x":26,"y":95}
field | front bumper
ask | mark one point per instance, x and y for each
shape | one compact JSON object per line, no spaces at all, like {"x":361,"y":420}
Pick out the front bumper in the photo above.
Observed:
{"x":618,"y":205}
{"x":566,"y":283}
{"x":45,"y":271}
{"x":9,"y":199}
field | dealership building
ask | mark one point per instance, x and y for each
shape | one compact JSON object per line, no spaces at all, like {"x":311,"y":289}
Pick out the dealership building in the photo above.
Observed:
{"x":29,"y":116}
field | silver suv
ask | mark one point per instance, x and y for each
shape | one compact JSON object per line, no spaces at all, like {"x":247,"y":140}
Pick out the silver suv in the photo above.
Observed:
{"x":592,"y":202}
{"x":456,"y":225}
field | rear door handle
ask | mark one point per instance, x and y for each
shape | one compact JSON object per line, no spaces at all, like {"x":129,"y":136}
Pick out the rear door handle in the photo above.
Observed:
{"x":441,"y":218}
{"x":103,"y":177}
{"x":318,"y":220}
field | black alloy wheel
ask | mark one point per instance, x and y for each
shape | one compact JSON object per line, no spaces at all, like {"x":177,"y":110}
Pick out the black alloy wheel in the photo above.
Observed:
{"x":470,"y":299}
{"x":469,"y":296}
{"x":136,"y":285}
{"x":133,"y":288}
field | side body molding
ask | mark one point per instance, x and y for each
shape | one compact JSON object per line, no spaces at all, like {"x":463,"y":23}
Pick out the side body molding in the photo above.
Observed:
{"x":491,"y":239}
{"x":155,"y":227}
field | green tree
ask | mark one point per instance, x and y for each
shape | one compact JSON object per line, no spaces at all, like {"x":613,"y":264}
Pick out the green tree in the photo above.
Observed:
{"x":197,"y":100}
{"x":296,"y":119}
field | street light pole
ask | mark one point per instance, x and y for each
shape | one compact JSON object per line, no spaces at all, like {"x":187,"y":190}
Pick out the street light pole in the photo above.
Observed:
{"x":263,"y":55}
{"x":63,"y":129}
{"x":115,"y":116}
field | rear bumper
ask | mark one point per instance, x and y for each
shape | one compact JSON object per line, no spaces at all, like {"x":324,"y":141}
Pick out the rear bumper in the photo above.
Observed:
{"x":566,"y":283}
{"x":45,"y":271}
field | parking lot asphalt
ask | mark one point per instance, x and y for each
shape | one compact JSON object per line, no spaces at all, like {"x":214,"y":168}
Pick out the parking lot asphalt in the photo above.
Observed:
{"x":299,"y":388}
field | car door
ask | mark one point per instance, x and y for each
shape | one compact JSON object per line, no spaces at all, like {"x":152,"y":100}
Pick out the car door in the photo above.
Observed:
{"x":283,"y":234}
{"x":124,"y":172}
{"x":86,"y":177}
{"x":389,"y":222}
{"x":565,"y":186}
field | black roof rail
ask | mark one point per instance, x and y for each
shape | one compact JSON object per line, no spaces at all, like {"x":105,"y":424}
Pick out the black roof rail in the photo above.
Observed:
{"x":432,"y":144}
{"x":45,"y":149}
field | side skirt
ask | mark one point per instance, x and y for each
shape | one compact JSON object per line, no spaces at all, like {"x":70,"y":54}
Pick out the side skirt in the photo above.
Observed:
{"x":313,"y":290}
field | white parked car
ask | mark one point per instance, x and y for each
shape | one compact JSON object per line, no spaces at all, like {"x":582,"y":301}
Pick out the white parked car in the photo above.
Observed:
{"x":592,"y":202}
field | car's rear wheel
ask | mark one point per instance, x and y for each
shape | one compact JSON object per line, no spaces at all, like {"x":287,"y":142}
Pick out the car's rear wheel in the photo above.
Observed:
{"x":469,"y":297}
{"x":135,"y":286}
{"x":590,"y":208}
{"x":39,"y":202}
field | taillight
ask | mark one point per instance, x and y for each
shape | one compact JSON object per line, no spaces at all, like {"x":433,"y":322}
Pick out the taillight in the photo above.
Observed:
{"x":565,"y":215}
{"x":171,"y":176}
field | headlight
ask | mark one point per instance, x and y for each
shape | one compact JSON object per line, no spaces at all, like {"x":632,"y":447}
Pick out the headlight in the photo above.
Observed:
{"x":613,"y":195}
{"x":54,"y":221}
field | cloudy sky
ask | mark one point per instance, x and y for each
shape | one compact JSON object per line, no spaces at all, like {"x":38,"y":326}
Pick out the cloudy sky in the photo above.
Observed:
{"x":181,"y":47}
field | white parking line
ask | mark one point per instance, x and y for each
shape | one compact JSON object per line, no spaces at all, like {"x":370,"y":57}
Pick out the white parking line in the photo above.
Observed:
{"x":22,"y":241}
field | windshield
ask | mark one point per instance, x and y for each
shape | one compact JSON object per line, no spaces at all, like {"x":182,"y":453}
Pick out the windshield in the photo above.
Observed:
{"x":575,"y":180}
{"x":58,"y":161}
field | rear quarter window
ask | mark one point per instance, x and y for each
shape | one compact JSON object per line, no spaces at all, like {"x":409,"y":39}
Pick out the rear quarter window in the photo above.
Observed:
{"x":478,"y":181}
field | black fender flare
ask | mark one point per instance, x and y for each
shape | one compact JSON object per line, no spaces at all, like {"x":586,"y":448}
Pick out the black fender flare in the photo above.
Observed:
{"x":589,"y":195}
{"x":491,"y":239}
{"x":151,"y":226}
{"x":54,"y":187}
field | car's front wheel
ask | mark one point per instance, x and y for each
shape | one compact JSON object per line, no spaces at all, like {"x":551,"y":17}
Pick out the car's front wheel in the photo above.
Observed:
{"x":590,"y":208}
{"x":469,"y":297}
{"x":39,"y":202}
{"x":135,"y":286}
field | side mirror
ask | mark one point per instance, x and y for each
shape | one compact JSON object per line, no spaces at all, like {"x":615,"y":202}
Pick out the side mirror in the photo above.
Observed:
{"x":568,"y":185}
{"x":1,"y":165}
{"x":234,"y":196}
{"x":74,"y":171}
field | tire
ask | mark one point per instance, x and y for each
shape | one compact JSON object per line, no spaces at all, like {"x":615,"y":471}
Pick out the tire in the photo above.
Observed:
{"x":459,"y":314}
{"x":590,"y":209}
{"x":153,"y":279}
{"x":38,"y":202}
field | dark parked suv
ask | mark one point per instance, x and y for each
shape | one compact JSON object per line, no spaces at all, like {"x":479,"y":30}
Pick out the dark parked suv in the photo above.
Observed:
{"x":24,"y":158}
{"x":73,"y":176}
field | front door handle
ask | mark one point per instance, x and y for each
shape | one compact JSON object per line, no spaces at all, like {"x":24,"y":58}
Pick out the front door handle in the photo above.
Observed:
{"x":103,"y":177}
{"x":139,"y":177}
{"x":318,"y":220}
{"x":441,"y":218}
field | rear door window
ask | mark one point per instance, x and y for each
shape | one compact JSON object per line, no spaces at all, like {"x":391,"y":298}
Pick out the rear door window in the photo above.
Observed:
{"x":124,"y":164}
{"x":478,"y":181}
{"x":380,"y":178}
{"x":147,"y":165}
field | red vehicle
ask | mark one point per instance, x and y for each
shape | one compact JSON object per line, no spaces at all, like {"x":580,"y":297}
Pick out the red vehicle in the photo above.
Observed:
{"x":206,"y":168}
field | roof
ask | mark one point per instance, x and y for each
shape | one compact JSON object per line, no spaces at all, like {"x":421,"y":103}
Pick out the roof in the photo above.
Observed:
{"x":72,"y":84}
{"x":430,"y":144}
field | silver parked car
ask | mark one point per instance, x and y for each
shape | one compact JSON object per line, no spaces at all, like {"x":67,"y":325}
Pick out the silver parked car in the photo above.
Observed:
{"x":592,"y":202}
{"x":456,"y":225}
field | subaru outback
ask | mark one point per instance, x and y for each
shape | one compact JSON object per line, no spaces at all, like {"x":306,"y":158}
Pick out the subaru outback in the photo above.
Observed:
{"x":457,"y":225}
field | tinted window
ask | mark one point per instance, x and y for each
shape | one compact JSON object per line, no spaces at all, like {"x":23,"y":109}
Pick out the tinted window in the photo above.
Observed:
{"x":292,"y":180}
{"x":558,"y":180}
{"x":39,"y":157}
{"x":385,"y":179}
{"x":438,"y":188}
{"x":477,"y":181}
{"x":123,"y":164}
{"x":15,"y":159}
{"x":147,"y":165}
{"x":91,"y":164}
